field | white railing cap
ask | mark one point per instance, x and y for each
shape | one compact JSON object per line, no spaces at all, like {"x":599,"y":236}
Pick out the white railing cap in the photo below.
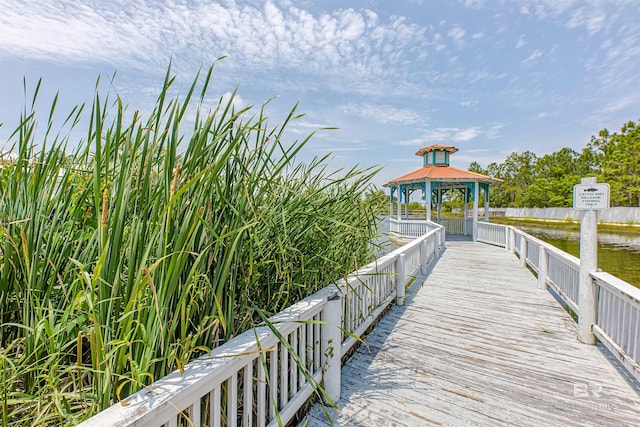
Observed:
{"x":617,"y":284}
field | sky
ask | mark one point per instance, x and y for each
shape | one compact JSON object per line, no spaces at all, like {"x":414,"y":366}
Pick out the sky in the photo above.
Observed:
{"x":490,"y":77}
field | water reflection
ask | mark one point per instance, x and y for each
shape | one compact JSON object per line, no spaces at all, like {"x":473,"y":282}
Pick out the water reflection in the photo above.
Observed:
{"x":618,"y":254}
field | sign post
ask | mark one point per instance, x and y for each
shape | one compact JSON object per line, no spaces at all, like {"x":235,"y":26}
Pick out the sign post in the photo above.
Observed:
{"x":589,"y":197}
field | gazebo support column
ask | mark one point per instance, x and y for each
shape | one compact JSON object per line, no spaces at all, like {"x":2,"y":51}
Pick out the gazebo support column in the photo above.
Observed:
{"x":486,"y":203}
{"x":399,"y":202}
{"x":406,"y":203}
{"x":391,"y":202}
{"x":476,"y":196}
{"x":428,"y":199}
{"x":465,"y":211}
{"x":439,"y":201}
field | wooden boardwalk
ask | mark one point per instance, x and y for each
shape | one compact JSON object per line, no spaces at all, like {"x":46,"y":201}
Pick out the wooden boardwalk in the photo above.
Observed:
{"x":479,"y":344}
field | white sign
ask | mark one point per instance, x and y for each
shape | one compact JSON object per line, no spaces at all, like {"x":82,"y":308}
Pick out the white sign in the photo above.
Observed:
{"x":591,"y":196}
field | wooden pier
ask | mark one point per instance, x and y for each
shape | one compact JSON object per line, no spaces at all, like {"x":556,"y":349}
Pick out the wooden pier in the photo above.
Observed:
{"x":479,"y":343}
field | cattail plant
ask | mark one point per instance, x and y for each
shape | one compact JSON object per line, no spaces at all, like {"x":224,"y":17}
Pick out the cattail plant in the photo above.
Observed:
{"x":132,"y":253}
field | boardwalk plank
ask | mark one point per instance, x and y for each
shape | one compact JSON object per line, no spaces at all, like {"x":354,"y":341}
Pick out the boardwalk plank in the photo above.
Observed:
{"x":479,"y":344}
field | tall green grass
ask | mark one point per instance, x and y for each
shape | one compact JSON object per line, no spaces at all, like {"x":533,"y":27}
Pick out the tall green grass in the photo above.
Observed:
{"x":148,"y":244}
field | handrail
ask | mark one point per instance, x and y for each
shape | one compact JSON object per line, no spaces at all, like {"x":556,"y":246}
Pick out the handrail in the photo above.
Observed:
{"x":618,"y":319}
{"x":412,"y":228}
{"x":618,"y":302}
{"x":275,"y":368}
{"x":417,"y":227}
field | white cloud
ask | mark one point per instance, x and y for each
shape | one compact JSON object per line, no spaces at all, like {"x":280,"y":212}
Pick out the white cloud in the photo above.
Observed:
{"x":520,"y":42}
{"x":437,"y":42}
{"x":534,"y":56}
{"x":237,"y":102}
{"x":457,"y":35}
{"x":445,"y":135}
{"x":592,"y":20}
{"x":382,"y":113}
{"x":620,"y":104}
{"x":474,"y":4}
{"x":342,"y":149}
{"x":466,"y":134}
{"x":255,"y":36}
{"x":493,"y":132}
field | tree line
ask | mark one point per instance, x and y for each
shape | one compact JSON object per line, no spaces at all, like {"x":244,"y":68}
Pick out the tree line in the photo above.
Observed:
{"x":532,"y":181}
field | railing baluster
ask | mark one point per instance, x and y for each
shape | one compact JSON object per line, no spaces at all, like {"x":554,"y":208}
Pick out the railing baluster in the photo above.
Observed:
{"x":232,"y":400}
{"x":284,"y":376}
{"x":247,"y":410}
{"x":194,"y":413}
{"x":293,"y":377}
{"x":316,"y":344}
{"x":331,"y":346}
{"x":214,"y":404}
{"x":635,"y":347}
{"x":261,"y":388}
{"x":302,"y":353}
{"x":273,"y":383}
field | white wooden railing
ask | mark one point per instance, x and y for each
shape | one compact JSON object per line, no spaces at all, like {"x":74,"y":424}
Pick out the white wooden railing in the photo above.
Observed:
{"x":617,"y":302}
{"x":267,"y":374}
{"x":411,"y":228}
{"x":494,"y":234}
{"x":456,"y":225}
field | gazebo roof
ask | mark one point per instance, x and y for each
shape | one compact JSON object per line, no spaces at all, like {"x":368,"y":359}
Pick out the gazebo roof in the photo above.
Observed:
{"x":440,"y":147}
{"x":442,"y":174}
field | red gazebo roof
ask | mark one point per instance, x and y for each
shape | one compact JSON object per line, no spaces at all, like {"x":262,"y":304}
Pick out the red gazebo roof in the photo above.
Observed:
{"x":442,"y":174}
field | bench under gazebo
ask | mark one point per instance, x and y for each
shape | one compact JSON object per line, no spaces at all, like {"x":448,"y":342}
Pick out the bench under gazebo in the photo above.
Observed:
{"x":435,"y":178}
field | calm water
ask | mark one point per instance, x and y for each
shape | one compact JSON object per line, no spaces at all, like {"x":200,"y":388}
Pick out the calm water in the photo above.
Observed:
{"x":618,"y":254}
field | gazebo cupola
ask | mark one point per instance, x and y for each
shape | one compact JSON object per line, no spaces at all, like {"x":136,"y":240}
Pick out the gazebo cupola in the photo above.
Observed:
{"x":436,"y":155}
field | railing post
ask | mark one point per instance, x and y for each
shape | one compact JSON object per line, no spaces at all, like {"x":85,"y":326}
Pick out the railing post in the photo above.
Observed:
{"x":423,"y":257}
{"x":401,"y":279}
{"x":507,"y":235}
{"x":331,"y":345}
{"x":588,"y":264}
{"x":512,"y":240}
{"x":443,"y":239}
{"x":523,"y":251}
{"x":436,"y":246}
{"x":542,"y":267}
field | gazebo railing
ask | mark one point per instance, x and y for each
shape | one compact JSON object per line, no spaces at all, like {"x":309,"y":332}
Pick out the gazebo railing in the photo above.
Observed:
{"x":410,"y":227}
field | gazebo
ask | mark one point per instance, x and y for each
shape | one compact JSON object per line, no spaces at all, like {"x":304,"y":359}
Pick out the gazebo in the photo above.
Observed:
{"x":435,"y":178}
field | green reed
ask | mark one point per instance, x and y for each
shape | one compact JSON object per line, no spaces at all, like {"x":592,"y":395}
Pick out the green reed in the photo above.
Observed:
{"x":148,"y":244}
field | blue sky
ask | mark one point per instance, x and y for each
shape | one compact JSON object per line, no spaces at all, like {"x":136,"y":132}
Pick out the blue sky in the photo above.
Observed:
{"x":490,"y":77}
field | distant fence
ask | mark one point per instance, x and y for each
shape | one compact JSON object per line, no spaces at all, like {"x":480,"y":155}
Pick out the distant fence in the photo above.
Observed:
{"x":617,"y":215}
